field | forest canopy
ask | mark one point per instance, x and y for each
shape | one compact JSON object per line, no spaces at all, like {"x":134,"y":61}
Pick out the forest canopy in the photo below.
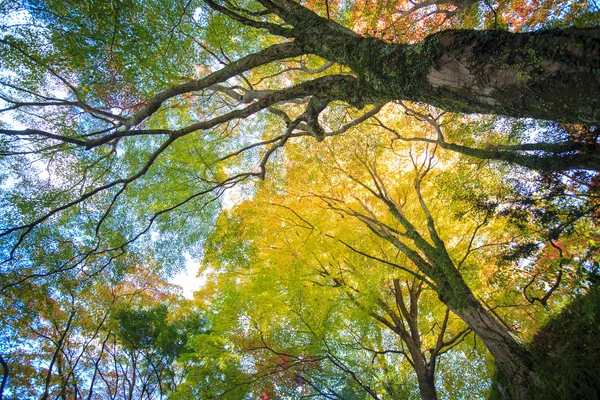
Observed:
{"x":386,"y":200}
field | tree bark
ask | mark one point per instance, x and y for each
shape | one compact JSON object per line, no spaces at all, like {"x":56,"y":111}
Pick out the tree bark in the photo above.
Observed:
{"x":425,"y":372}
{"x":552,"y":75}
{"x":426,"y":382}
{"x":4,"y":376}
{"x":434,"y":261}
{"x":512,"y":358}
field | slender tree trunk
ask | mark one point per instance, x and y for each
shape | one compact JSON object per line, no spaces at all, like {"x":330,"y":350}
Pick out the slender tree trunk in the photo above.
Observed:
{"x":4,"y":376}
{"x":408,"y":315}
{"x":512,"y":358}
{"x":61,"y":376}
{"x":425,"y":374}
{"x":134,"y":375}
{"x":96,"y":366}
{"x":56,"y":357}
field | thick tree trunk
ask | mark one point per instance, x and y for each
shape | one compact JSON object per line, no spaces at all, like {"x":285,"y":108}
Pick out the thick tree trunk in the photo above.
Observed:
{"x":552,"y":74}
{"x":548,"y":74}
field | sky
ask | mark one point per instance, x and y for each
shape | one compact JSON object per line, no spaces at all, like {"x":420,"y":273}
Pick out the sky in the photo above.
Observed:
{"x":188,"y":279}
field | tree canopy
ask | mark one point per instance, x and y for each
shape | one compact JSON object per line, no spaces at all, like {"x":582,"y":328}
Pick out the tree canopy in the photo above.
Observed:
{"x":388,"y":199}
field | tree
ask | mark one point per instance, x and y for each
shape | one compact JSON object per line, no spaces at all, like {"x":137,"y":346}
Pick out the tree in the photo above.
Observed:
{"x":370,"y":191}
{"x":350,"y":308}
{"x":75,"y":343}
{"x":430,"y":254}
{"x":134,"y":121}
{"x":110,"y":125}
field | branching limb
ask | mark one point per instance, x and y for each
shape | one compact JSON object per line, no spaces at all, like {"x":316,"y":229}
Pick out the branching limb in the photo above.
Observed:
{"x":470,"y":248}
{"x":236,"y":16}
{"x":544,"y":299}
{"x":300,"y":133}
{"x":302,"y":68}
{"x":340,"y":364}
{"x":294,"y":92}
{"x":559,"y":156}
{"x":270,"y":54}
{"x":311,"y":116}
{"x":422,"y":278}
{"x":369,"y":114}
{"x":27,"y":228}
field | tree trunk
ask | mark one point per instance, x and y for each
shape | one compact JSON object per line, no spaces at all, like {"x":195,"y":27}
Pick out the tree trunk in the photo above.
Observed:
{"x":4,"y":375}
{"x":512,"y":358}
{"x":548,"y":74}
{"x":425,"y":373}
{"x":427,"y":386}
{"x":551,"y":74}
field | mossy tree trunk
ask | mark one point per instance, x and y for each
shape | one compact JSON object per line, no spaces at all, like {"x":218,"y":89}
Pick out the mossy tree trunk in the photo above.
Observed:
{"x":429,"y":254}
{"x":552,"y":74}
{"x":512,"y":358}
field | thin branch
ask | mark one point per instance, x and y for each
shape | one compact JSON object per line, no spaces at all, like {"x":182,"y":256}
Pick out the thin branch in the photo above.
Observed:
{"x":422,"y":278}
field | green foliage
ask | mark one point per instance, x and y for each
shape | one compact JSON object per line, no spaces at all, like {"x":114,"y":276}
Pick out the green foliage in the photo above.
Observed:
{"x":149,"y":329}
{"x":566,"y":352}
{"x":118,"y":47}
